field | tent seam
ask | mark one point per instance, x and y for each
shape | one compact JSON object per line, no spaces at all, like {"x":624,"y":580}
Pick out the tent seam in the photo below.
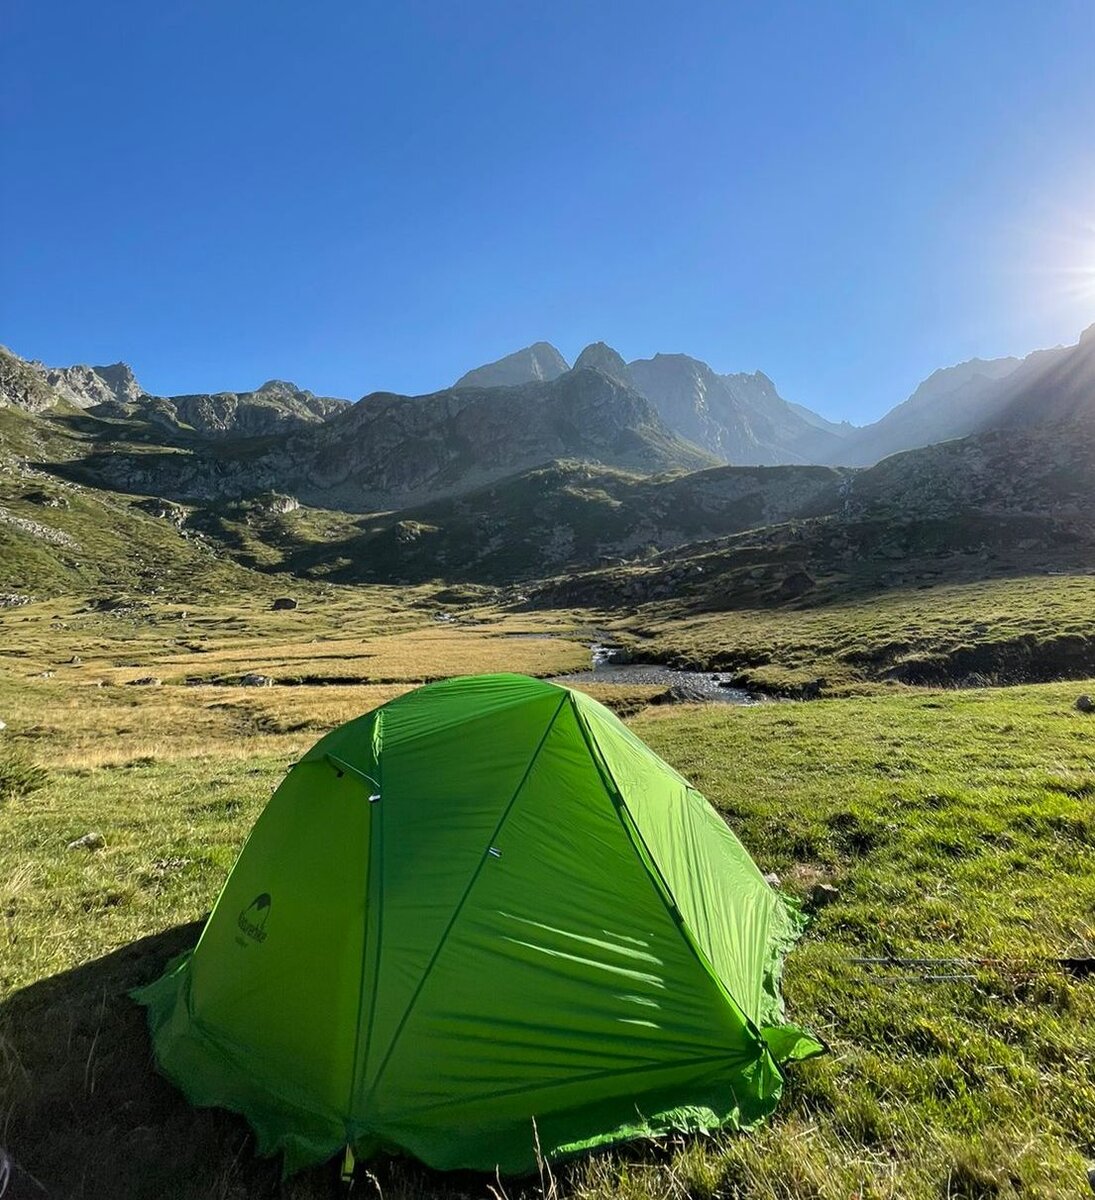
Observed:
{"x":463,"y":899}
{"x":374,"y":852}
{"x":635,"y":835}
{"x":571,"y":1079}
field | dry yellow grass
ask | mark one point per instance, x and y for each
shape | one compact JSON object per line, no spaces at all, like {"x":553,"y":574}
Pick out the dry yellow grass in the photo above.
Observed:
{"x":67,"y":674}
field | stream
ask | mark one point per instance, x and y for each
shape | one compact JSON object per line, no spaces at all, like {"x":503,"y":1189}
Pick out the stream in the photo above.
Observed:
{"x":704,"y":683}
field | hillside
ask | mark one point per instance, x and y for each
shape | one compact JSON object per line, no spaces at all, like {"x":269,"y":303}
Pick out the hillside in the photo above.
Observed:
{"x":60,"y":538}
{"x":562,"y":516}
{"x":1004,"y":505}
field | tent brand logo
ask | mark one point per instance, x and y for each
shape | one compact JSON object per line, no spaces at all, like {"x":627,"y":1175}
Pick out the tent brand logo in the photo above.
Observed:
{"x":253,"y":918}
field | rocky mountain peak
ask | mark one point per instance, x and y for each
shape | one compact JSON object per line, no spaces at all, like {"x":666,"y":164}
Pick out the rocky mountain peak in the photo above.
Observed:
{"x":87,"y":386}
{"x":741,"y":418}
{"x":538,"y":363}
{"x":279,"y":387}
{"x":604,"y":359}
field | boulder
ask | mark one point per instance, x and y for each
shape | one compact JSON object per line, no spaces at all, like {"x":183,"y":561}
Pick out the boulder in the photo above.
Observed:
{"x":145,"y":681}
{"x":90,"y":841}
{"x":1085,"y":704}
{"x":821,"y":896}
{"x":253,"y":679}
{"x":283,"y":603}
{"x":276,"y":502}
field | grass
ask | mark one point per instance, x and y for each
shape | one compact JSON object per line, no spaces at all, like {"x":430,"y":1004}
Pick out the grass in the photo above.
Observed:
{"x":68,"y":671}
{"x":954,"y":824}
{"x":1037,"y":626}
{"x":19,"y":774}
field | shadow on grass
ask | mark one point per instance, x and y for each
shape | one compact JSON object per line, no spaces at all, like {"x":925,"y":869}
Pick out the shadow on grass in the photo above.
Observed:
{"x":83,"y":1108}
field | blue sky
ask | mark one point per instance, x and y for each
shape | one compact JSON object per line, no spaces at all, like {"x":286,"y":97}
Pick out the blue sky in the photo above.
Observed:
{"x":359,"y":195}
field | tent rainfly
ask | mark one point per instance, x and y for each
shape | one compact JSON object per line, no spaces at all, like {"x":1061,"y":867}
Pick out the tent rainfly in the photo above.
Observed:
{"x":479,"y":923}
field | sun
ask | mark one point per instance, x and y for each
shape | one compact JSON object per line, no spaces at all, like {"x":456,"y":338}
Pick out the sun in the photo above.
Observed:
{"x":1060,"y":258}
{"x":1079,"y":277}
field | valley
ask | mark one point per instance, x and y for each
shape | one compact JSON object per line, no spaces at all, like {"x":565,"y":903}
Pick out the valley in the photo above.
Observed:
{"x":948,"y":823}
{"x":194,"y":589}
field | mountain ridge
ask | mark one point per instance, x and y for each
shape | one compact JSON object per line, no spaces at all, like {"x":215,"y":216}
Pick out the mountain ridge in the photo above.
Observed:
{"x":384,"y":451}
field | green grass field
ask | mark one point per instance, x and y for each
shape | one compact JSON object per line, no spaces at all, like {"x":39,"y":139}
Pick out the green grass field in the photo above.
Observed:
{"x":955,"y":824}
{"x":1030,"y":627}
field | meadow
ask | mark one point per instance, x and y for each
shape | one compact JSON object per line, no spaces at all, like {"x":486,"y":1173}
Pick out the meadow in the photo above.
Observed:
{"x":1011,"y":629}
{"x":956,"y":825}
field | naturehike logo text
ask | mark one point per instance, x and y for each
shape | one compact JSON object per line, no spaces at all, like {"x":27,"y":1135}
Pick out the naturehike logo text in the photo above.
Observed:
{"x":253,"y":918}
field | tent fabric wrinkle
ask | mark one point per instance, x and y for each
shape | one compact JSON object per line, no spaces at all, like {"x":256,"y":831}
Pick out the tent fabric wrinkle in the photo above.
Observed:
{"x":481,"y":924}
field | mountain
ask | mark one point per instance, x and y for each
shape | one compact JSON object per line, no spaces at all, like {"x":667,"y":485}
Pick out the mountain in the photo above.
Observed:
{"x":740,"y":418}
{"x":1051,"y":386}
{"x":954,"y":402}
{"x":538,"y":363}
{"x":385,"y":451}
{"x":391,"y":449}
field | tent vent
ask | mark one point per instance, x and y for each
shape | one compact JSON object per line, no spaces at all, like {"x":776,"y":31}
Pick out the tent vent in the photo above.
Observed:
{"x":495,"y":852}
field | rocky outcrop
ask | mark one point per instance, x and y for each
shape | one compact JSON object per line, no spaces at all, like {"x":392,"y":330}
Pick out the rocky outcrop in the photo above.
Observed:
{"x":275,"y":408}
{"x":87,"y":387}
{"x":538,"y":363}
{"x":23,"y":387}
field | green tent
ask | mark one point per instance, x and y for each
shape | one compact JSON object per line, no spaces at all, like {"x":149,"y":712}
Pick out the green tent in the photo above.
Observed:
{"x":481,"y":919}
